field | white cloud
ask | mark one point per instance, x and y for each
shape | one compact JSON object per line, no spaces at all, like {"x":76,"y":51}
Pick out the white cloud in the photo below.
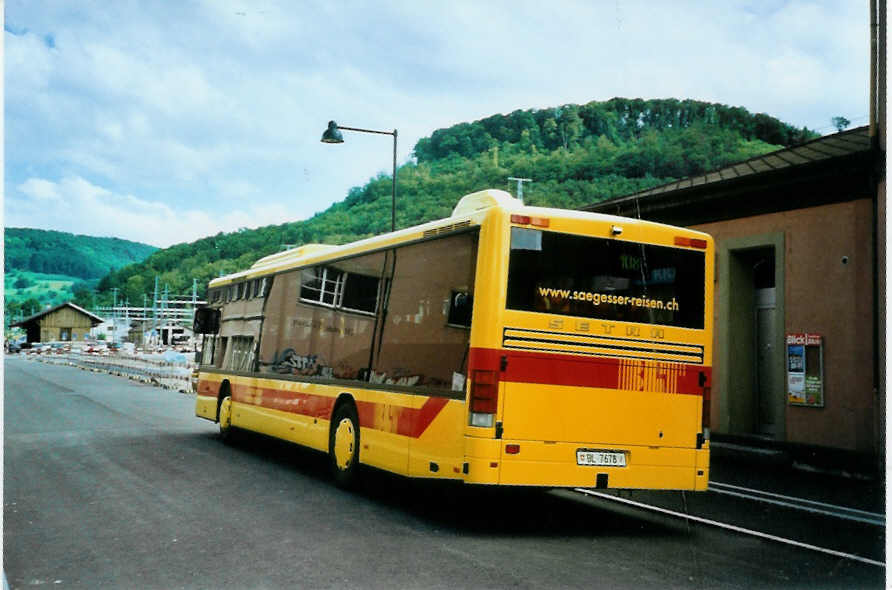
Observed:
{"x":213,"y":110}
{"x":79,"y":206}
{"x":40,"y":190}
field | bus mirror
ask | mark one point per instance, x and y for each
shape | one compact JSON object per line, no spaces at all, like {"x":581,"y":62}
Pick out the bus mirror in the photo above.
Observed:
{"x":207,"y":321}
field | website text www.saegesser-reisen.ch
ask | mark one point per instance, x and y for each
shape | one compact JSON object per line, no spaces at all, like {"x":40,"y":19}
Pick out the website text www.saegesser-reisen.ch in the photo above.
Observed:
{"x":599,"y":298}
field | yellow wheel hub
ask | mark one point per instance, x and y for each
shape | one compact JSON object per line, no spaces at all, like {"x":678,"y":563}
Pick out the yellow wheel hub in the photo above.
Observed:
{"x":225,"y":413}
{"x":344,"y":450}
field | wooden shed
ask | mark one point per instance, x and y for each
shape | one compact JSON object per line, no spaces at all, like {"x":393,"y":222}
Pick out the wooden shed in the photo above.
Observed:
{"x":65,"y":322}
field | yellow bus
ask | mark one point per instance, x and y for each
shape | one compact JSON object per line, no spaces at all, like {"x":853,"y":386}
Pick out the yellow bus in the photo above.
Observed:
{"x":504,"y":345}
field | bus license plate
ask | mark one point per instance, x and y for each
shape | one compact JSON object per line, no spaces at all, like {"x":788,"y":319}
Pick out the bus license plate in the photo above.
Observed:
{"x":600,"y":458}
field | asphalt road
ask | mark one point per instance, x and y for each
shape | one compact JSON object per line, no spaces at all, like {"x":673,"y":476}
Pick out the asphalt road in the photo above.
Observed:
{"x":112,"y":484}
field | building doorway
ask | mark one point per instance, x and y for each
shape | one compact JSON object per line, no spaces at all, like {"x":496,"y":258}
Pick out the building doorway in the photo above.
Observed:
{"x":750,"y":328}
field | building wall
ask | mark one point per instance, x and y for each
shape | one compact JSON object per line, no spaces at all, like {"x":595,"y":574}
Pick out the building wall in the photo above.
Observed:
{"x":52,"y":324}
{"x":113,"y":330}
{"x":883,"y":359}
{"x":823,"y":295}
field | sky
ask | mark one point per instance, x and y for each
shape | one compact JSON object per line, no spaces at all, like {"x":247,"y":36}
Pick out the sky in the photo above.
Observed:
{"x":164,"y":122}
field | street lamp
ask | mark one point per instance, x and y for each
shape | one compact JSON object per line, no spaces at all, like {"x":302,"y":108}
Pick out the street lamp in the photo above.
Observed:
{"x":333,"y":135}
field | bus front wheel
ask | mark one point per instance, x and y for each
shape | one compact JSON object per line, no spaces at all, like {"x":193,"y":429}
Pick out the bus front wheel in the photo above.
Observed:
{"x":343,"y":445}
{"x":225,"y":418}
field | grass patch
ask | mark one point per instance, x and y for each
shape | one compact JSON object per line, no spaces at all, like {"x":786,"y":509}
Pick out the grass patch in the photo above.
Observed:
{"x":47,"y":288}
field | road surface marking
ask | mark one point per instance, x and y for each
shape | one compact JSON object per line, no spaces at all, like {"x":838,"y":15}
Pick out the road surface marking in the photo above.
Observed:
{"x":799,"y":503}
{"x":731,"y":527}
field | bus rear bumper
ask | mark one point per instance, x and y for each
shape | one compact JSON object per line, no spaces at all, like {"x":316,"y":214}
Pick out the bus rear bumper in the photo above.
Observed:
{"x":537,"y":463}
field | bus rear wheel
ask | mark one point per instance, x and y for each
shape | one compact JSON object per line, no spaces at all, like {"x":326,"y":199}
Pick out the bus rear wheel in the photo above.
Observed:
{"x":343,"y":445}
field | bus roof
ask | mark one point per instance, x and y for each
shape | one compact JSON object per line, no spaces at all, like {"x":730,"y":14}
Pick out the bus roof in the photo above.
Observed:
{"x":471,"y":209}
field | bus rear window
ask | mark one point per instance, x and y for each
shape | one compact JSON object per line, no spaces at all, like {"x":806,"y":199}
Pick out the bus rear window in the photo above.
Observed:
{"x":605,"y":279}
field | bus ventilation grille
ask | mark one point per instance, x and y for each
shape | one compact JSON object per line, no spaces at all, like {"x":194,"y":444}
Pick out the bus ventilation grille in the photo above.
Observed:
{"x":603,"y":346}
{"x":447,"y":228}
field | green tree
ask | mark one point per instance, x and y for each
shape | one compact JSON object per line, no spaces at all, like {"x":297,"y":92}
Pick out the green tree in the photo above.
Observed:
{"x":840,"y":123}
{"x":134,"y":288}
{"x":570,"y":126}
{"x":577,"y":154}
{"x":82,"y":295}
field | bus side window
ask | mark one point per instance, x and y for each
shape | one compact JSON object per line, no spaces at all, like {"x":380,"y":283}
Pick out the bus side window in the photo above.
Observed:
{"x":220,"y":352}
{"x":321,"y":321}
{"x":241,"y":353}
{"x":207,"y":349}
{"x":429,"y":297}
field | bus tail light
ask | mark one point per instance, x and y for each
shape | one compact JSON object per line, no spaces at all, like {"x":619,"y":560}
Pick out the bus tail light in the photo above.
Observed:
{"x":690,"y":242}
{"x":484,"y":397}
{"x":527,"y":220}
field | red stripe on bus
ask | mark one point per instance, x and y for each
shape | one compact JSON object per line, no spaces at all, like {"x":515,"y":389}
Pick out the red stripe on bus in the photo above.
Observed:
{"x":305,"y":404}
{"x":582,"y":371}
{"x":411,"y":422}
{"x":206,"y":387}
{"x":418,"y":420}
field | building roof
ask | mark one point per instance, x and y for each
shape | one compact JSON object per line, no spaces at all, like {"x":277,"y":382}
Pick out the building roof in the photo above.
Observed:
{"x":830,"y":159}
{"x":95,"y":319}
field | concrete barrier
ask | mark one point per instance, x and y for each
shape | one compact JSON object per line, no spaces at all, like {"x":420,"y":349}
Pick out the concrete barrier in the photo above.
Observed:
{"x":146,"y":368}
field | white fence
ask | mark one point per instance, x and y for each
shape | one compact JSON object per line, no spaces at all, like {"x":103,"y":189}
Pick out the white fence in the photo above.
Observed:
{"x":146,"y":368}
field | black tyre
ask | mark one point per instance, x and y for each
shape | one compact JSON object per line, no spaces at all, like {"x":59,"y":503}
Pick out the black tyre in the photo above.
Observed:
{"x":343,"y":445}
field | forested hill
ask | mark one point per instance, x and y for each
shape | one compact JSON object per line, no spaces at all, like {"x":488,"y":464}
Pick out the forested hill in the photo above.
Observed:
{"x":60,"y":253}
{"x":575,"y":154}
{"x":618,"y":120}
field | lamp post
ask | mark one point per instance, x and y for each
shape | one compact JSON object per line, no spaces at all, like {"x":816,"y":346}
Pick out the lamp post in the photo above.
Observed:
{"x":333,"y":135}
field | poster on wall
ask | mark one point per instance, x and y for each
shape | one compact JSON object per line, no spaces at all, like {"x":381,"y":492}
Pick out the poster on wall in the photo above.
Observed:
{"x":805,"y":370}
